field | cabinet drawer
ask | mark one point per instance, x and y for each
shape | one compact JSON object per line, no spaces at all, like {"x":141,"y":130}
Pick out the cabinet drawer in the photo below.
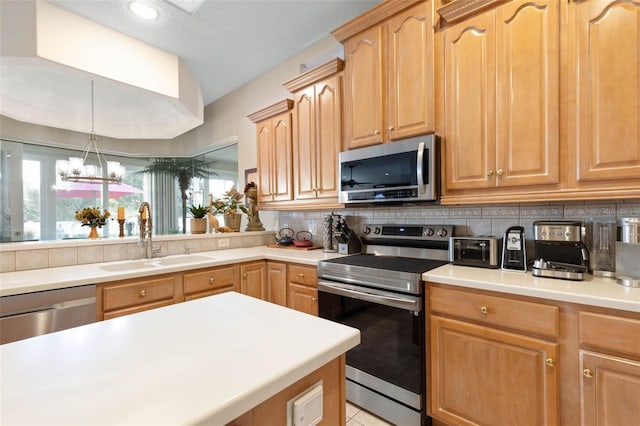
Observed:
{"x":529,"y":317}
{"x":610,"y":333}
{"x":212,"y":279}
{"x":305,"y":275}
{"x":120,"y":296}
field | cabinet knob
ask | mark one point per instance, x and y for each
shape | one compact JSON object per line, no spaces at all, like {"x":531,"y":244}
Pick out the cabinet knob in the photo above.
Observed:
{"x":211,"y":280}
{"x":484,"y":310}
{"x":489,"y":172}
{"x":500,"y":172}
{"x":376,"y":132}
{"x":587,"y":373}
{"x":300,"y":275}
{"x":314,"y":299}
{"x":244,"y":275}
{"x":550,"y":362}
{"x":143,"y":293}
{"x":391,"y":128}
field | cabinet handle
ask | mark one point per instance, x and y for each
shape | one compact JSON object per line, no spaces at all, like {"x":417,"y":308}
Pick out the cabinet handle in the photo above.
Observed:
{"x":500,"y":172}
{"x":244,"y":275}
{"x":489,"y":172}
{"x":587,"y":373}
{"x":300,"y":275}
{"x":484,"y":310}
{"x":211,"y":280}
{"x":550,"y":362}
{"x":143,"y":293}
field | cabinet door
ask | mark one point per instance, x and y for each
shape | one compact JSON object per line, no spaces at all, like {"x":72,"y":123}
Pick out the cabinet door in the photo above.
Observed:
{"x":264,"y":139}
{"x":481,"y":375}
{"x":608,"y":89}
{"x":410,"y":72}
{"x":528,"y":92}
{"x":328,"y":136}
{"x":282,"y":158}
{"x":610,"y":390}
{"x":253,"y":280}
{"x":304,"y":144}
{"x":469,"y":67}
{"x":303,"y":298}
{"x":207,"y":283}
{"x":364,"y":99}
{"x":277,"y":283}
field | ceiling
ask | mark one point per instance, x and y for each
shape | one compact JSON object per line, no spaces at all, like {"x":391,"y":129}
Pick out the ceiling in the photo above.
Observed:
{"x":223,"y":45}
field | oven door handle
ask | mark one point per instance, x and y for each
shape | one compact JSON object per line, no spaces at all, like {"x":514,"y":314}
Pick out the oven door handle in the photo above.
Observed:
{"x":406,"y":303}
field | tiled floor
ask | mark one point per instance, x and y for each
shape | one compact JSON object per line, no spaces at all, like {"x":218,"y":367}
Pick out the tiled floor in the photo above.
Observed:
{"x":356,"y":416}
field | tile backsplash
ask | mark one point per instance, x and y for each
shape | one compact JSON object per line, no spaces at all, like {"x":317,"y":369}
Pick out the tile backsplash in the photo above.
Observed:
{"x":487,"y":219}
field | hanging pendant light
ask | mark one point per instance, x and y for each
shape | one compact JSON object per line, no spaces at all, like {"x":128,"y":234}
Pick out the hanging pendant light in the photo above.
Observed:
{"x":75,"y":169}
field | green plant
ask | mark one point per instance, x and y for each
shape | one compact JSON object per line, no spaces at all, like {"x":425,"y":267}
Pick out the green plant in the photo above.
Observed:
{"x":184,"y":169}
{"x":230,"y":202}
{"x":198,"y":211}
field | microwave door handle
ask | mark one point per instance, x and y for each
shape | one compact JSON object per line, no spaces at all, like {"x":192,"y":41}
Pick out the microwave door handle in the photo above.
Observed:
{"x":419,"y":171}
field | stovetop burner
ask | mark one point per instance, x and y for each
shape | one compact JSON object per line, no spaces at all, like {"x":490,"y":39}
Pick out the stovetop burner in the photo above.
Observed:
{"x":390,"y":263}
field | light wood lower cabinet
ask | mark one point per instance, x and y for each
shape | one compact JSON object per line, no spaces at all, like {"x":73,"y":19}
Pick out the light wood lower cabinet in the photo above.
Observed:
{"x":277,"y":283}
{"x":253,"y":280}
{"x":211,"y":281}
{"x":610,"y":367}
{"x":274,"y":410}
{"x":481,"y":371}
{"x":131,"y":296}
{"x":303,"y":288}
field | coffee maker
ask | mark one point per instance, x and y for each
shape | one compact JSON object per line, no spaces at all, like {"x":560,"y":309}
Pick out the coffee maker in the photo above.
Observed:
{"x":559,"y":251}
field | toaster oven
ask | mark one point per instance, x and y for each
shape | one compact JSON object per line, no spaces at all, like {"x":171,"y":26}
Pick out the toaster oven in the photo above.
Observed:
{"x":483,"y":251}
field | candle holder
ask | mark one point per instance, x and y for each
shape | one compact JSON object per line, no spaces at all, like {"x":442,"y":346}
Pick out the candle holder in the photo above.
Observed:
{"x":121,"y":223}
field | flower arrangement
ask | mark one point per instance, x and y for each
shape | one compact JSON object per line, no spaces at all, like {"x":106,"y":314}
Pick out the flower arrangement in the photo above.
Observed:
{"x":90,"y":216}
{"x":229,"y":203}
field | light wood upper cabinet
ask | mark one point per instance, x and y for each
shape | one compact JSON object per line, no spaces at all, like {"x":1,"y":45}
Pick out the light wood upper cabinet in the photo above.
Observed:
{"x":606,"y":80}
{"x":501,"y":97}
{"x":274,"y":143}
{"x":317,"y":134}
{"x":388,"y":73}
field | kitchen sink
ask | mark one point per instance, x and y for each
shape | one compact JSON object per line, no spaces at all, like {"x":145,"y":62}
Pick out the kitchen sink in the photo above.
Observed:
{"x":181,"y":259}
{"x":128,"y":266}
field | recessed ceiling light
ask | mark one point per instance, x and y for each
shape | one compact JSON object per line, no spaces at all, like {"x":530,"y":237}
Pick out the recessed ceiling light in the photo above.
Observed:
{"x":143,"y":10}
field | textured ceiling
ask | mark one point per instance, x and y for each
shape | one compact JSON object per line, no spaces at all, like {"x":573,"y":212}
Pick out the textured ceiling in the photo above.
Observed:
{"x":226,"y":43}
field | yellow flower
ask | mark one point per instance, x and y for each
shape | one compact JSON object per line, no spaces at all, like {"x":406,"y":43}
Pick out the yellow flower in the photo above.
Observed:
{"x":90,"y":216}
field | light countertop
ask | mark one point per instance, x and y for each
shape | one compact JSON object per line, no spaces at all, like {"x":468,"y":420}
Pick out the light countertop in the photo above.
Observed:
{"x":204,"y":361}
{"x":93,"y":273}
{"x":595,"y":291}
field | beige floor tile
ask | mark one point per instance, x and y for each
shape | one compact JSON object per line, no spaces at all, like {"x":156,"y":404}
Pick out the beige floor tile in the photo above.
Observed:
{"x":352,"y":410}
{"x":367,"y":419}
{"x":353,"y":423}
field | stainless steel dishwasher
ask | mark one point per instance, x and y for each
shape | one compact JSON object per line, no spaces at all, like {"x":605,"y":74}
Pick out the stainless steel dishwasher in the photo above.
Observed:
{"x":32,"y":314}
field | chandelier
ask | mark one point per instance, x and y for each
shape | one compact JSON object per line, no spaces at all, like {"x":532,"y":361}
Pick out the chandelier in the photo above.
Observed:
{"x":76,"y":169}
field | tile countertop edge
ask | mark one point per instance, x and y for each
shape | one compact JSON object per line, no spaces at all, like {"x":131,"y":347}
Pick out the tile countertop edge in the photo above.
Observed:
{"x":593,"y":291}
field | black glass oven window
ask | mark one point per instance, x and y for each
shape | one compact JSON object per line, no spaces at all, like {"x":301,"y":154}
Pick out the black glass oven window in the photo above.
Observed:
{"x":391,"y":339}
{"x":388,"y":171}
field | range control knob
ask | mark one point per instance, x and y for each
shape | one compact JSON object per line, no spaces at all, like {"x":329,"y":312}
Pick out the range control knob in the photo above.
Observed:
{"x":442,"y":232}
{"x":377,"y":230}
{"x":430,"y":232}
{"x":366,"y":230}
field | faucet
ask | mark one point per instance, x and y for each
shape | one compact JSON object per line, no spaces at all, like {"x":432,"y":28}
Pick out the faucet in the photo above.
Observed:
{"x":145,"y":228}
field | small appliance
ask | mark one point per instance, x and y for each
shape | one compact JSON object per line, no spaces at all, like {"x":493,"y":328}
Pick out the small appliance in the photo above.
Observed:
{"x":482,"y":251}
{"x":559,"y":250}
{"x":601,"y":241}
{"x":628,"y":252}
{"x":398,"y":172}
{"x":514,"y":256}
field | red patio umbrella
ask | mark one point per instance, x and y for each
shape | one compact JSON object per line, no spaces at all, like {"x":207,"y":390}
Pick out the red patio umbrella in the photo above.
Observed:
{"x":92,"y":190}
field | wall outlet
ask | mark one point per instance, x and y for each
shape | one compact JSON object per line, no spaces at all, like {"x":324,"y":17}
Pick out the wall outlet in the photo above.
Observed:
{"x":223,"y":242}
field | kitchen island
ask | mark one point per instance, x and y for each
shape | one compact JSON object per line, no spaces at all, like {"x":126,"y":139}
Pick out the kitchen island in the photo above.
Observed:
{"x":206,"y":361}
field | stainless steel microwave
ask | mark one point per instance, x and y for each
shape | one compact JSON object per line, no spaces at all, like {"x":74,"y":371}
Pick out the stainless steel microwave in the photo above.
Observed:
{"x":402,"y":171}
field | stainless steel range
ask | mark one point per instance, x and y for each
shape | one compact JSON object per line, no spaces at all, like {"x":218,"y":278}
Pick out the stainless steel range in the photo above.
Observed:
{"x":381,"y":293}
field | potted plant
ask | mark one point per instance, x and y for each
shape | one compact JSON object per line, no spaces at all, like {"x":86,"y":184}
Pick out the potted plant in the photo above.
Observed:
{"x":198,"y":220}
{"x":229,"y":205}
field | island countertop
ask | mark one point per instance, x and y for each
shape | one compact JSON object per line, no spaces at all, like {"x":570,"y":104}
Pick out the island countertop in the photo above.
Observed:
{"x":205,"y":361}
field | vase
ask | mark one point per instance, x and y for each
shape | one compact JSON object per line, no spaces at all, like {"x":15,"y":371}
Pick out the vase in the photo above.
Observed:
{"x":94,"y":232}
{"x":198,"y":225}
{"x":232,"y":220}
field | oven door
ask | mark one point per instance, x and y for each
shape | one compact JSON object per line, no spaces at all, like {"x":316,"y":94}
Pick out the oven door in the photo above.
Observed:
{"x":389,"y":361}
